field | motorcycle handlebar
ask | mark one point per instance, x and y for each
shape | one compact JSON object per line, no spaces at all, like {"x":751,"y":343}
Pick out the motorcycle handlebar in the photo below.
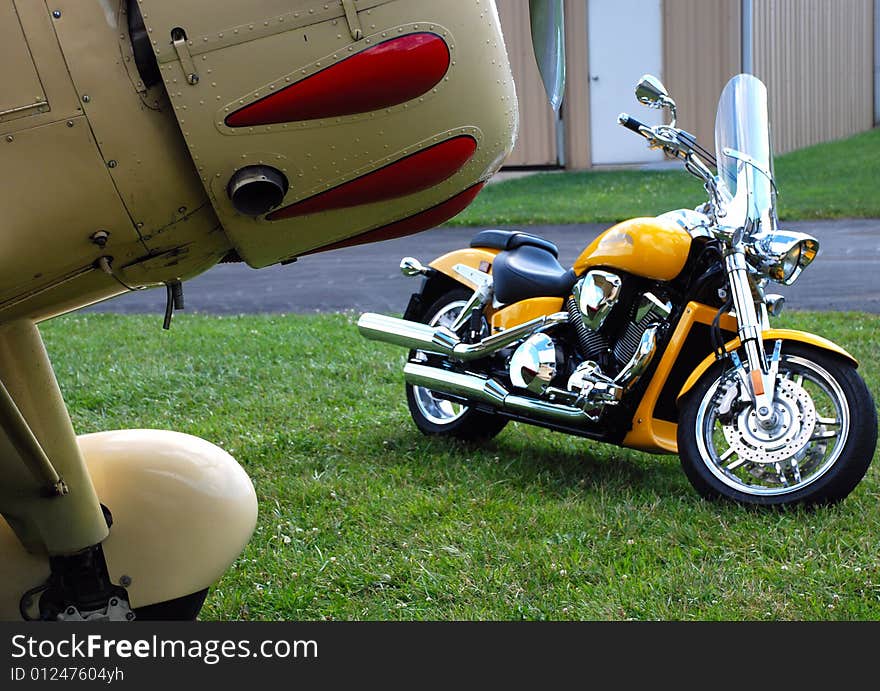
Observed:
{"x":679,"y":144}
{"x":631,"y":123}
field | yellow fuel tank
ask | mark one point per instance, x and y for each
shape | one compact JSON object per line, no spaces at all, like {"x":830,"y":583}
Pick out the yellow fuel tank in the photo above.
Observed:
{"x":649,"y":247}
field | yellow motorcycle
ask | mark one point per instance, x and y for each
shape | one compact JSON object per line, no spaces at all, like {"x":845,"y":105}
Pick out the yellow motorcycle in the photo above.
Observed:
{"x":657,"y":339}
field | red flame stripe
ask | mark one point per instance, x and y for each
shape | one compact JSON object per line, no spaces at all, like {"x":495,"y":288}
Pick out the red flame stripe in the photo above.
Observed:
{"x":385,"y":75}
{"x":424,"y":220}
{"x":414,"y":173}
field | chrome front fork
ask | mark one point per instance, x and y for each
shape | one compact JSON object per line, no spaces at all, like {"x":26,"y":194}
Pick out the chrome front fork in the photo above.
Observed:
{"x":761,"y":380}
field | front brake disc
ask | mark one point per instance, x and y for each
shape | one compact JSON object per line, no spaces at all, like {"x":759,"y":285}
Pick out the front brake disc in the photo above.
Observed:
{"x":796,"y":420}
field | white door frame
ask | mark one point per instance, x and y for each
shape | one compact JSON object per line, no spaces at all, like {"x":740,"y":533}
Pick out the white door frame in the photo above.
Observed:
{"x":625,"y":40}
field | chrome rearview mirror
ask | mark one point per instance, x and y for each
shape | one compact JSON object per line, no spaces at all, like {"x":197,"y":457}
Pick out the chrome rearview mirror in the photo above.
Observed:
{"x":651,"y":92}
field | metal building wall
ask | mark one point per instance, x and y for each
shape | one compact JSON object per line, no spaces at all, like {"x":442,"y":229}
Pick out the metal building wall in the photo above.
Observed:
{"x":536,"y":144}
{"x":816,"y":58}
{"x":876,"y":62}
{"x":701,"y":51}
{"x":576,"y":104}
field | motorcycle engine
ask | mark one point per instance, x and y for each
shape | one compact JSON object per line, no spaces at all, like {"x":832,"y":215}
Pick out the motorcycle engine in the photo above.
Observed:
{"x":602,"y":339}
{"x":648,"y":310}
{"x":538,"y":360}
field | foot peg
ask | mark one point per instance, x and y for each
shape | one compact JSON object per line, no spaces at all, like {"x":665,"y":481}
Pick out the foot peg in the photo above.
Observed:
{"x":593,"y":387}
{"x":591,"y":390}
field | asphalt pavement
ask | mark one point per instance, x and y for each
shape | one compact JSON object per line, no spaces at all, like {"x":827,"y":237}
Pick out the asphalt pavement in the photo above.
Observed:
{"x":845,"y":276}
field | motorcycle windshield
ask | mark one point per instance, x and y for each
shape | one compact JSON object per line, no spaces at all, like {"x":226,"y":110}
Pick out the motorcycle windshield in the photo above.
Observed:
{"x":742,"y":129}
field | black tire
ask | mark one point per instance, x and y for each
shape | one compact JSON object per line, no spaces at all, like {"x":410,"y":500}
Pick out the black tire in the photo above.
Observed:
{"x":466,"y":424}
{"x":847,"y":462}
{"x":184,"y":608}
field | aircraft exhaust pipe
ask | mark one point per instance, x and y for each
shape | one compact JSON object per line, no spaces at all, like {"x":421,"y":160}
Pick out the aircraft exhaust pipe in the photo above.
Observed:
{"x":256,"y":190}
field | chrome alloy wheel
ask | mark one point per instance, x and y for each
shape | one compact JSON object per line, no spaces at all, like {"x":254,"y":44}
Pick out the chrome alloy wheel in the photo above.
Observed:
{"x":439,"y":410}
{"x":808,"y":435}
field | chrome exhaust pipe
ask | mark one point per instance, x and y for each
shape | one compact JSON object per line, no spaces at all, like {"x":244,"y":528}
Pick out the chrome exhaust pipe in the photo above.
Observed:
{"x":416,"y":336}
{"x":467,"y":386}
{"x":489,"y":391}
{"x":409,"y":334}
{"x":544,"y":410}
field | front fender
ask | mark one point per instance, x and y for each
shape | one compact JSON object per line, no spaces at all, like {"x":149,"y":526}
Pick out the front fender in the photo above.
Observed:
{"x":769,"y":335}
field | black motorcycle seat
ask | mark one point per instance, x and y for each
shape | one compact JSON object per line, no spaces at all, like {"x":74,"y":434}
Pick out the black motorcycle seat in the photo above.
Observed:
{"x":510,"y":240}
{"x":529,"y":271}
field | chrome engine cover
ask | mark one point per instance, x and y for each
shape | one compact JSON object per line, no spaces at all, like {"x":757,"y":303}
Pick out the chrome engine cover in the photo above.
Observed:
{"x":533,"y":364}
{"x":596,"y":294}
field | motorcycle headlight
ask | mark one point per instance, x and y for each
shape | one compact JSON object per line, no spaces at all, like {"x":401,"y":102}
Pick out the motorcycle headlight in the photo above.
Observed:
{"x":781,"y":254}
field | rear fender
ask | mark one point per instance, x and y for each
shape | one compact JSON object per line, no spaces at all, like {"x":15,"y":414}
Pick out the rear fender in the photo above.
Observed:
{"x":478,"y":258}
{"x":769,"y":335}
{"x":481,"y":259}
{"x":444,"y":278}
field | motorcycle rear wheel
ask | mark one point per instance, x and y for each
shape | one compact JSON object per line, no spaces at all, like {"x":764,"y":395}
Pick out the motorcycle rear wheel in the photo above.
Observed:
{"x":435,"y":415}
{"x":818,"y":451}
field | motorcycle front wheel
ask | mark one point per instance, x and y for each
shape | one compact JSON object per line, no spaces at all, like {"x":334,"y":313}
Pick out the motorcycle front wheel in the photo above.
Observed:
{"x":816,"y":451}
{"x":433,"y":414}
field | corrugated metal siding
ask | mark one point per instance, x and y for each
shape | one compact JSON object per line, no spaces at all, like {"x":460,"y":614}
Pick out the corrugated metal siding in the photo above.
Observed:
{"x":576,"y":105}
{"x":815,"y":57}
{"x":536,"y":144}
{"x":701,"y":51}
{"x":877,"y":62}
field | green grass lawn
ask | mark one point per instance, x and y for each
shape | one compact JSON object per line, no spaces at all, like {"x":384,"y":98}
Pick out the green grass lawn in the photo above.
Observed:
{"x":832,"y":180}
{"x":361,"y":517}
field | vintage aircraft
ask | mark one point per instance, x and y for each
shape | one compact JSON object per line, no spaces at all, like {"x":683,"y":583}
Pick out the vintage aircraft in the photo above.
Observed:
{"x":144,"y":141}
